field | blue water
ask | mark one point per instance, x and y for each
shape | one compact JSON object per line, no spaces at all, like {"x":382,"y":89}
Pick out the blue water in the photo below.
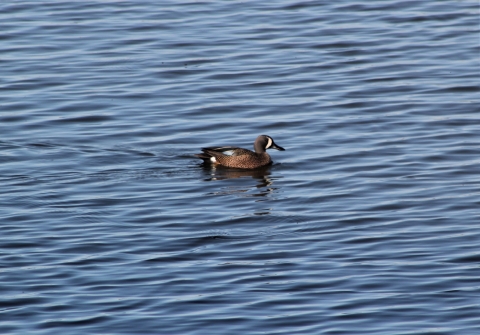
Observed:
{"x":368,"y":223}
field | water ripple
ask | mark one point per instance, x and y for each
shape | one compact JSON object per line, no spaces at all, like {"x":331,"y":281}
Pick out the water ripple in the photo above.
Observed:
{"x":366,"y":224}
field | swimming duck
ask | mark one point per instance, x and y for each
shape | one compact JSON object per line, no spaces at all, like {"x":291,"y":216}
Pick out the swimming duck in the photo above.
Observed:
{"x":240,"y":158}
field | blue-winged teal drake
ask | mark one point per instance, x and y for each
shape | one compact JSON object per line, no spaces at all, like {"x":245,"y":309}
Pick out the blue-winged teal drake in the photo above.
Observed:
{"x":240,"y":158}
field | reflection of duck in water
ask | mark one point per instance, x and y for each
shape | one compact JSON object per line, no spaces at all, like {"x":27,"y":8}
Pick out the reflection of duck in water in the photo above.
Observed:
{"x":261,"y":175}
{"x":240,"y":158}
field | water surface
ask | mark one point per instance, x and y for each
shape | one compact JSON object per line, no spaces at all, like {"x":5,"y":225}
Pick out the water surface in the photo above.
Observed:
{"x":368,"y":223}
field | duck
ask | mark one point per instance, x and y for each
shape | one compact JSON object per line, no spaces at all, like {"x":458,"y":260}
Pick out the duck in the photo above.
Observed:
{"x":240,"y":158}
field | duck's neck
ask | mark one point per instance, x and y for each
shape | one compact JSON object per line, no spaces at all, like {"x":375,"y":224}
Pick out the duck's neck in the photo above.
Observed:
{"x":259,"y":148}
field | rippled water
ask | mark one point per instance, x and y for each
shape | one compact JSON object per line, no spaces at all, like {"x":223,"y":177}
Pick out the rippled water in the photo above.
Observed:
{"x":369,"y":223}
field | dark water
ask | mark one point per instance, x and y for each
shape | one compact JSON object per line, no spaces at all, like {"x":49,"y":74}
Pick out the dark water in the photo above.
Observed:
{"x":369,"y":223}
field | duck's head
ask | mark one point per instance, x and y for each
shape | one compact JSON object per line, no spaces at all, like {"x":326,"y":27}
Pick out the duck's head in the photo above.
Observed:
{"x":264,"y":142}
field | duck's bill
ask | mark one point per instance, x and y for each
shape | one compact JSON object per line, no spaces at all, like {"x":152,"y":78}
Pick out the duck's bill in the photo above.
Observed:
{"x":274,"y":146}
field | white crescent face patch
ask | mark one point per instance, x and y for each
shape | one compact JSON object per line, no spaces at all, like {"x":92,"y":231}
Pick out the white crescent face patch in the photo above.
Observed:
{"x":269,"y":143}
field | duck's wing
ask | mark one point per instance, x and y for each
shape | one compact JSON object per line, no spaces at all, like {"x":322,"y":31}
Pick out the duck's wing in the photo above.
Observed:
{"x":227,"y":151}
